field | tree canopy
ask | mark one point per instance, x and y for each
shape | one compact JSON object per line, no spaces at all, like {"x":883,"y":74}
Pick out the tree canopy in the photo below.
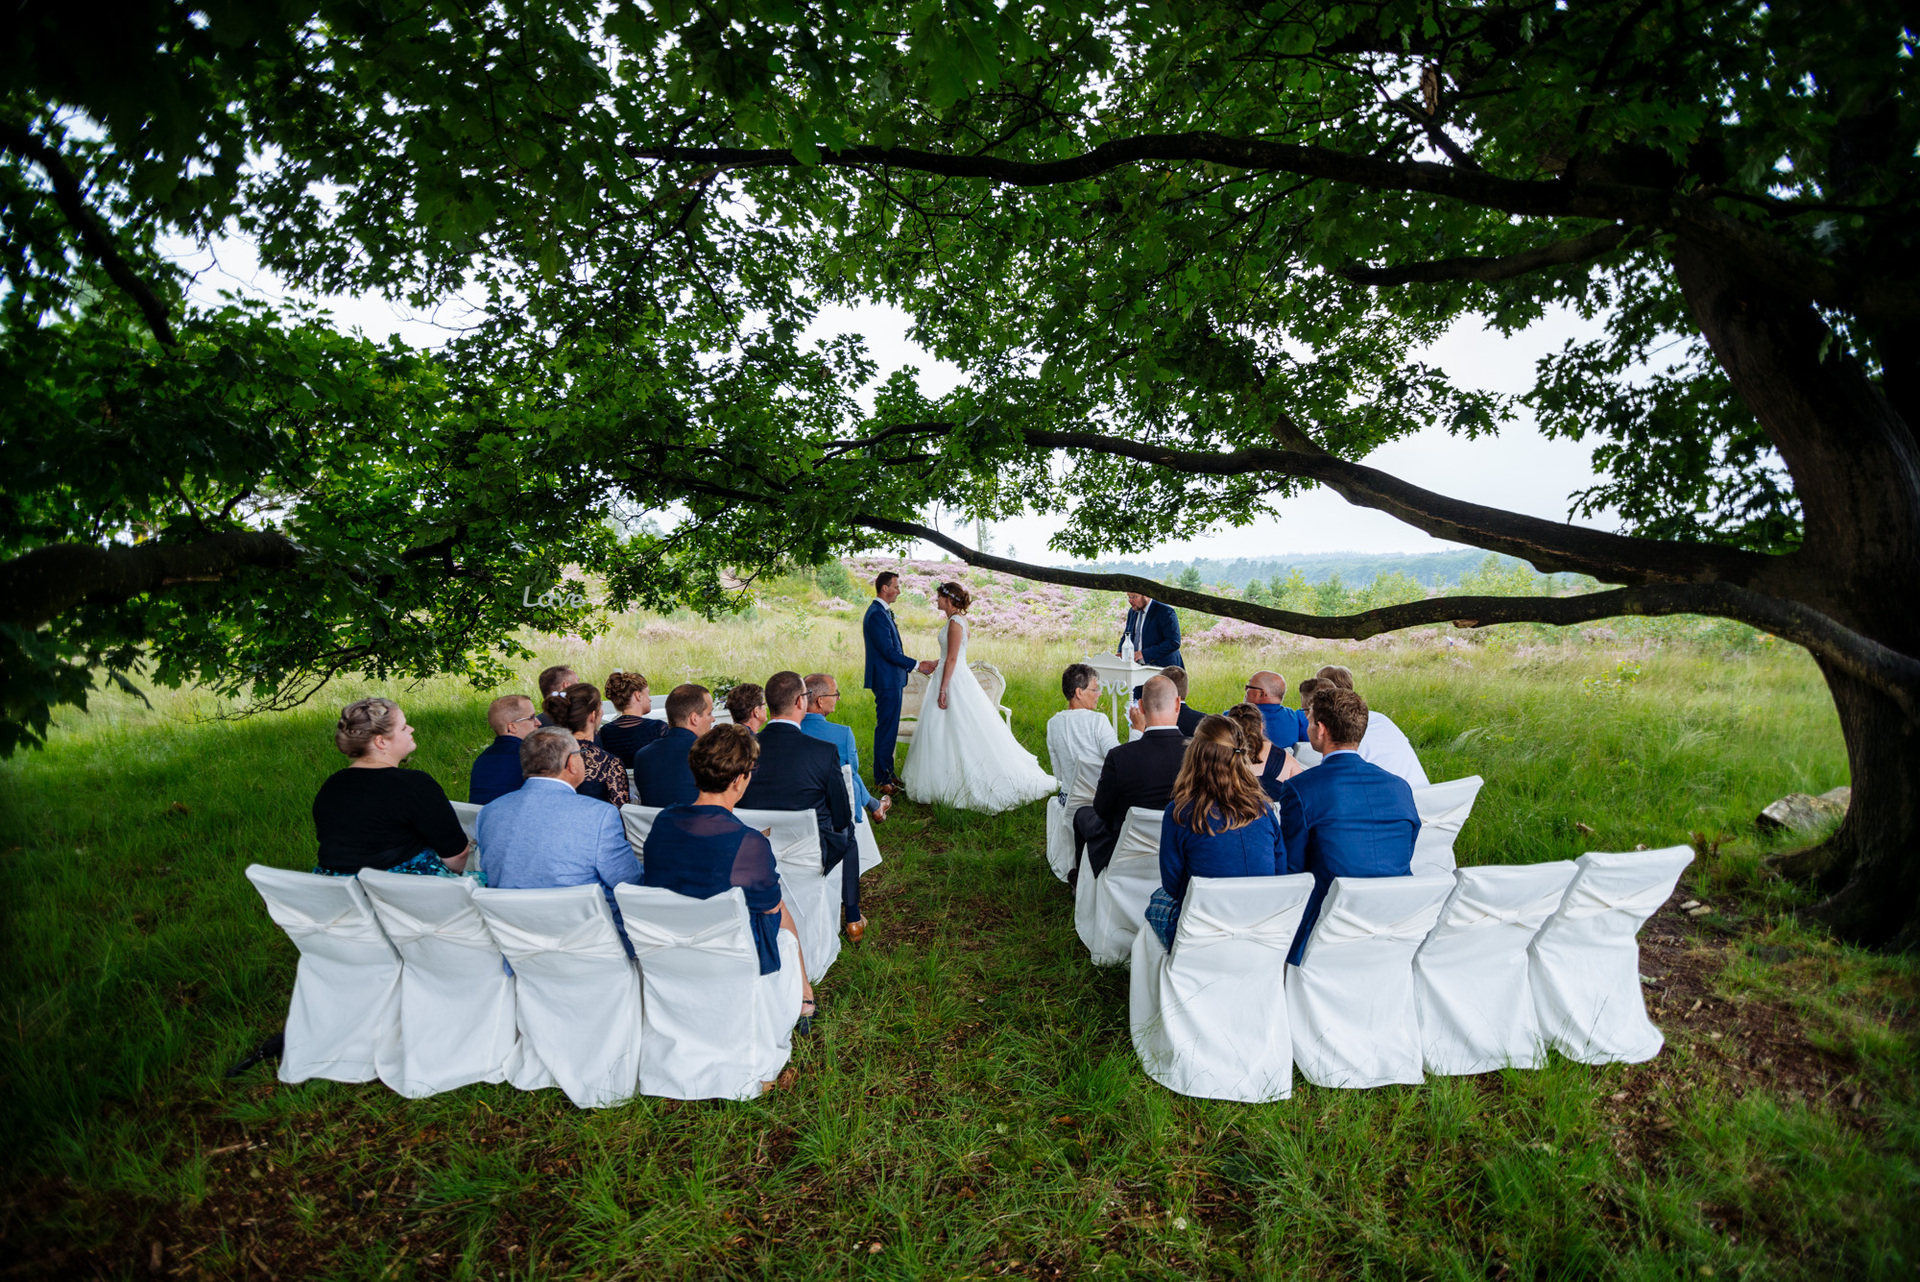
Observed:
{"x":1185,"y":246}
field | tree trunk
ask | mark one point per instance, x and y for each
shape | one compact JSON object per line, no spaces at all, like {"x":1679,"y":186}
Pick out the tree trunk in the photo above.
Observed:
{"x":1870,"y":867}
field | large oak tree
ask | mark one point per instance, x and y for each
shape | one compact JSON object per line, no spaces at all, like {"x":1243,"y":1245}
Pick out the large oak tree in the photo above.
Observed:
{"x":1186,"y":246}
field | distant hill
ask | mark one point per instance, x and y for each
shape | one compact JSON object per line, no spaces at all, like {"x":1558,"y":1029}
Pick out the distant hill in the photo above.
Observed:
{"x":1356,"y":569}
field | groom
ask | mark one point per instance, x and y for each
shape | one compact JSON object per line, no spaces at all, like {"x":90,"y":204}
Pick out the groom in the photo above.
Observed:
{"x":887,"y":669}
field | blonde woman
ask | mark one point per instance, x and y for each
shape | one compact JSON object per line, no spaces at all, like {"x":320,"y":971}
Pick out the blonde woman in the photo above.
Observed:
{"x":962,"y":754}
{"x":376,"y":813}
{"x":1219,"y":823}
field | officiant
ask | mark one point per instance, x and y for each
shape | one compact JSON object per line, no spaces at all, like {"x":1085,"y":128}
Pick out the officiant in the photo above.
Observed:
{"x":1151,"y":635}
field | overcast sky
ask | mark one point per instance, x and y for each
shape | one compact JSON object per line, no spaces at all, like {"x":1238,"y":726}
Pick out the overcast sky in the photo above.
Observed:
{"x":1520,"y":469}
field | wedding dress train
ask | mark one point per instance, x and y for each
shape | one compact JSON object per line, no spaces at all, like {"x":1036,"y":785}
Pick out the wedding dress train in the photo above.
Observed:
{"x":963,"y":755}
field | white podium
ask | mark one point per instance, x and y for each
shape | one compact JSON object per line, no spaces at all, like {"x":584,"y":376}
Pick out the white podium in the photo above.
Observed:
{"x":1118,"y":677}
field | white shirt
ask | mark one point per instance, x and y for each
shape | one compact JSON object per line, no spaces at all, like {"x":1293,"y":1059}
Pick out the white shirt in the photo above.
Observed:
{"x":1386,"y":745}
{"x":1076,"y":737}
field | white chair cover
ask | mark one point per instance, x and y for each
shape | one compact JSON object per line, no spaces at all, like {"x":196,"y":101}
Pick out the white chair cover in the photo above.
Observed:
{"x":1086,"y":777}
{"x":577,"y":995}
{"x":715,"y":1027}
{"x":1470,"y":986}
{"x":1585,"y":962}
{"x":1210,"y":1017}
{"x":1304,"y":754}
{"x":812,"y":895}
{"x":456,"y":999}
{"x":469,"y":816}
{"x":863,"y":834}
{"x":1121,"y":894}
{"x":638,"y":821}
{"x":1443,"y":809}
{"x":343,"y":1022}
{"x":1350,"y":999}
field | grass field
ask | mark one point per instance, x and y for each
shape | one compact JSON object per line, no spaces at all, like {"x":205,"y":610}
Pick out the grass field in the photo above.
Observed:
{"x":970,"y":1105}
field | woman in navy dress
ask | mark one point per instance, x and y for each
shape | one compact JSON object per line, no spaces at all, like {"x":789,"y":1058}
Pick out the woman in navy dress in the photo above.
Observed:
{"x":702,"y":849}
{"x":1219,"y":823}
{"x":632,"y":730}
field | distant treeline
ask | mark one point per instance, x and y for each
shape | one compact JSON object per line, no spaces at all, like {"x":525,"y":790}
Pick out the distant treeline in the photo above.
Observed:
{"x":1429,"y":569}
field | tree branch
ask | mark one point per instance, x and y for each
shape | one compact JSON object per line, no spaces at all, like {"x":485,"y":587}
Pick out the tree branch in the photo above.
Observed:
{"x":37,"y":586}
{"x":1895,"y":674}
{"x":1488,"y":270}
{"x":66,"y":194}
{"x":1547,"y":545}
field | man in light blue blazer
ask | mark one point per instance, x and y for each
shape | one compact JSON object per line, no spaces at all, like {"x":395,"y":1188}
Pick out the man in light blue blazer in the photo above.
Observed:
{"x":546,"y":834}
{"x":1345,"y":817}
{"x":823,"y":696}
{"x":887,"y":667}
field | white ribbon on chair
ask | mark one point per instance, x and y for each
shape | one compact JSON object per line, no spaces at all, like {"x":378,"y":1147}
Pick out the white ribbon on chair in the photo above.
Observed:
{"x":298,"y":924}
{"x":1583,"y":901}
{"x":589,"y":938}
{"x":403,"y":927}
{"x":1342,"y":927}
{"x":1199,"y":926}
{"x":1471,"y":914}
{"x":650,"y":936}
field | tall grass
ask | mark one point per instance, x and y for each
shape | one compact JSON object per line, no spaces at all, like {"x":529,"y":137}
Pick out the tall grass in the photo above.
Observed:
{"x":971,"y":1105}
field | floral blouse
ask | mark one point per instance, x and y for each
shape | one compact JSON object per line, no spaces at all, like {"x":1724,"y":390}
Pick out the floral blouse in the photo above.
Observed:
{"x":606,"y":777}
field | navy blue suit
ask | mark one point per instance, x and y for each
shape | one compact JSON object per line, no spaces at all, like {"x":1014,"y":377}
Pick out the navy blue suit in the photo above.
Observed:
{"x":660,"y":774}
{"x":887,"y":670}
{"x":1158,"y":636}
{"x":1345,"y":818}
{"x":798,"y":772}
{"x":496,"y":771}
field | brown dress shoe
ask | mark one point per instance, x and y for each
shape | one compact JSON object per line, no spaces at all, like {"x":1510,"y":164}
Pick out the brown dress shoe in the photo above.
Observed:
{"x":856,"y":929}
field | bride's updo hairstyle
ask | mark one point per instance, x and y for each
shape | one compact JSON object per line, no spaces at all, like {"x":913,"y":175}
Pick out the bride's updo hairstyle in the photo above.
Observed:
{"x":960,"y":597}
{"x":1215,"y":792}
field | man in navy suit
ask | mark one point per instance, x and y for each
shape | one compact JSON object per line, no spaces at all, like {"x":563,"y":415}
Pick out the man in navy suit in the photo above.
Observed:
{"x":799,"y":772}
{"x":1346,"y":817}
{"x":660,"y":774}
{"x":1151,"y":635}
{"x":887,"y":669}
{"x":496,"y":771}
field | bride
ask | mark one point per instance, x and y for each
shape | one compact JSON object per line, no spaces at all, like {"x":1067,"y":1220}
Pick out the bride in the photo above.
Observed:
{"x":962,"y":753}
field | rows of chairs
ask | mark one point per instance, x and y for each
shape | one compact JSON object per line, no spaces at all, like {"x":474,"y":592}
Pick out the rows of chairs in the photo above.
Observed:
{"x":1447,"y":971}
{"x":401,"y":978}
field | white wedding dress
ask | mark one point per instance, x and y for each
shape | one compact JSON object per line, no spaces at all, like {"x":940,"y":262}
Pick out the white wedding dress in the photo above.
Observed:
{"x":963,"y":755}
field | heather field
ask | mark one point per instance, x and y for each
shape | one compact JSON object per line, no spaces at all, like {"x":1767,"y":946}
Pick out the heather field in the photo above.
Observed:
{"x":970,"y":1105}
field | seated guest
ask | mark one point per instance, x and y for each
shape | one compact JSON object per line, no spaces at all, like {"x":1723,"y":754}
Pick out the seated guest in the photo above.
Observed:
{"x":1139,"y":772}
{"x":1188,"y":717}
{"x":554,"y":680}
{"x":549,"y":834}
{"x":1346,"y":817}
{"x":1269,"y":762}
{"x":1081,"y":737}
{"x":1386,"y":745}
{"x":1286,"y":726}
{"x":747,"y":705}
{"x":375,"y":813}
{"x":632,"y":730}
{"x":797,"y":772}
{"x":578,"y":710}
{"x":1218,"y":824}
{"x":823,"y":696}
{"x":701,"y":850}
{"x":496,"y":771}
{"x":660,"y":773}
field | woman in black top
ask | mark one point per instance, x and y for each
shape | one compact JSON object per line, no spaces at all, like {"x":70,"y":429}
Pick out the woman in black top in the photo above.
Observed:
{"x":375,"y":813}
{"x":1269,"y":761}
{"x":578,"y":710}
{"x":631,"y":731}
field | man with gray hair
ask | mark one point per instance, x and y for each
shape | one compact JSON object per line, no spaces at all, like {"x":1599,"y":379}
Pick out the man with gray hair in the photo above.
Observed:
{"x":546,"y":834}
{"x":1140,"y":772}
